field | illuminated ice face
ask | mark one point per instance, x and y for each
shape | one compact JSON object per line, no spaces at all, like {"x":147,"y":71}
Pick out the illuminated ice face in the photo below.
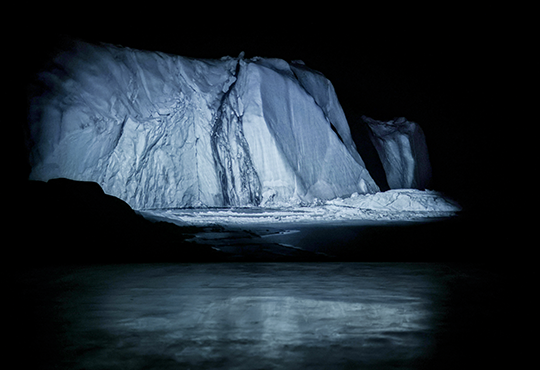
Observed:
{"x":164,"y":131}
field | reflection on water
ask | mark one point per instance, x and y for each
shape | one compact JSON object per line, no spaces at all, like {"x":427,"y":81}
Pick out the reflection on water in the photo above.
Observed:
{"x":248,"y":316}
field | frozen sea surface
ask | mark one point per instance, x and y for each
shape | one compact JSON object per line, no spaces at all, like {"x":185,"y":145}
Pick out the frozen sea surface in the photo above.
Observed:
{"x":260,"y":316}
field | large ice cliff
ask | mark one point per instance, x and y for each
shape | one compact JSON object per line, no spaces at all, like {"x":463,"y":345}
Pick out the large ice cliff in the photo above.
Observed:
{"x":165,"y":131}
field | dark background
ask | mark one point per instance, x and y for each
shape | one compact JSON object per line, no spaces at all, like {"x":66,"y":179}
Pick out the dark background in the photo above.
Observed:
{"x":433,"y":67}
{"x":438,"y":67}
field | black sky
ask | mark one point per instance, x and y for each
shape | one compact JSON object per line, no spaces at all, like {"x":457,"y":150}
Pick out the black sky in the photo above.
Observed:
{"x":429,"y":69}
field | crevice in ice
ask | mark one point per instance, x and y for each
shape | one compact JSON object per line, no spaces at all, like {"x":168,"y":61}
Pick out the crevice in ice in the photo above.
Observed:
{"x":336,"y":132}
{"x":240,"y":185}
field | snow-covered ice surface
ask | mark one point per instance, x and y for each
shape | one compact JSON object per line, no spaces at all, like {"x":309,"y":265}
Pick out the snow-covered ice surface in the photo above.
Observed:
{"x":392,"y":205}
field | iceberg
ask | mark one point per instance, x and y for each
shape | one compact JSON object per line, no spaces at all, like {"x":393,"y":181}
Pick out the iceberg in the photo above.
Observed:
{"x":402,"y":148}
{"x":165,"y":131}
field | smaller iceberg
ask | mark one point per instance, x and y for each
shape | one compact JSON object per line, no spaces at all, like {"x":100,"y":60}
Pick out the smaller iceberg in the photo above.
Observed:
{"x":402,"y":148}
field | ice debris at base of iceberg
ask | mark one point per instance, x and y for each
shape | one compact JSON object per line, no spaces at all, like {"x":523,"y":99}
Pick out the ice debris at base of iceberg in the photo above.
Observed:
{"x":165,"y":131}
{"x":392,"y":205}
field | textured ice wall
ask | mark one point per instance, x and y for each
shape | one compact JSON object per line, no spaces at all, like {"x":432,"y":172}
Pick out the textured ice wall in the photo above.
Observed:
{"x":163,"y":131}
{"x":402,"y":148}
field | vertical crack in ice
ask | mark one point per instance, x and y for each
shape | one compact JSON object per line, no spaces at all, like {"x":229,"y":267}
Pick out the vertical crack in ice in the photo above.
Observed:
{"x":197,"y":170}
{"x":240,"y":184}
{"x":336,"y":132}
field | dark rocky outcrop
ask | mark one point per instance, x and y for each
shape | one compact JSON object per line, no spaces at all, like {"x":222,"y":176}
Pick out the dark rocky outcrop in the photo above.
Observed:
{"x":65,"y":221}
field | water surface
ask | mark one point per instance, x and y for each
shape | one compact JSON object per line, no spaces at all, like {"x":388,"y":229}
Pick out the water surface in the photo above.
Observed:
{"x":261,"y":315}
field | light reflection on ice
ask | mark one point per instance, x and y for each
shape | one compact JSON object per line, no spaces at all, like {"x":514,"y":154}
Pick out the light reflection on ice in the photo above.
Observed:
{"x":269,"y":312}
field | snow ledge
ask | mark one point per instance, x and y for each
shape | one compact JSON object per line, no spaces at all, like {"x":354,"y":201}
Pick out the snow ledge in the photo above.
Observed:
{"x":392,"y":205}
